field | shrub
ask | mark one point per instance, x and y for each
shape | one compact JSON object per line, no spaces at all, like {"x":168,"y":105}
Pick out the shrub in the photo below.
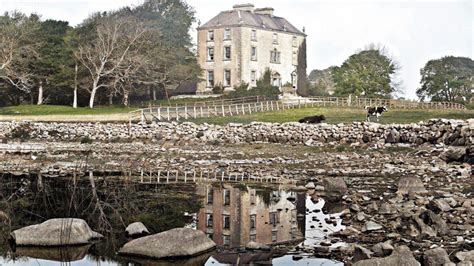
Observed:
{"x":218,"y":89}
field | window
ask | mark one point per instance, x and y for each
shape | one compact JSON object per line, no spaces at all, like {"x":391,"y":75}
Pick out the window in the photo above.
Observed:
{"x":295,"y":58}
{"x":209,"y":222}
{"x":275,"y":57}
{"x":253,"y":81}
{"x":253,"y":53}
{"x":227,"y":53}
{"x":274,"y":236}
{"x":253,"y":221}
{"x":227,"y":34}
{"x":226,"y":221}
{"x":226,"y":197}
{"x":210,"y":53}
{"x":210,"y":78}
{"x":227,"y":78}
{"x":273,"y":218}
{"x":226,"y":240}
{"x":210,"y":196}
{"x":210,"y":35}
{"x":275,"y":38}
{"x":210,"y":236}
{"x":295,"y":44}
{"x":253,"y":35}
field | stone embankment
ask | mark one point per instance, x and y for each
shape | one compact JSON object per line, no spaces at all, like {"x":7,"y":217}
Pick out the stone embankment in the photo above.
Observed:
{"x":449,"y":132}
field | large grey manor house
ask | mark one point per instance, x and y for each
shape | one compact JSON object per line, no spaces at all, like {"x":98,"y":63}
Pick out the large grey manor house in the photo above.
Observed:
{"x":240,"y":44}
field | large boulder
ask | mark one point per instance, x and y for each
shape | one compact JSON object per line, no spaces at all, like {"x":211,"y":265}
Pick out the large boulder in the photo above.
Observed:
{"x":436,"y":256}
{"x":55,"y":232}
{"x":400,"y":256}
{"x":335,"y":187}
{"x":410,"y":185}
{"x":178,"y":242}
{"x":136,"y":229}
{"x":454,"y":154}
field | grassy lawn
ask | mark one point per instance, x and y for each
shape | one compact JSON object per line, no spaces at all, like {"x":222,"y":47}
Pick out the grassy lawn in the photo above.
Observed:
{"x":340,"y":115}
{"x":60,"y":110}
{"x":333,"y":115}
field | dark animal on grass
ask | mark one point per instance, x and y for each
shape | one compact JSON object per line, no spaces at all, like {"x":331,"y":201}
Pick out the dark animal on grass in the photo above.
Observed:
{"x":375,"y":111}
{"x":315,"y":119}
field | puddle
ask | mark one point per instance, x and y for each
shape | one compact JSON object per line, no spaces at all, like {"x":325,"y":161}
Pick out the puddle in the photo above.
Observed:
{"x":232,"y":215}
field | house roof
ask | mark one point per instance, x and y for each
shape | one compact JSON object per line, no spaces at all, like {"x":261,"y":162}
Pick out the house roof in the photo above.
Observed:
{"x":237,"y":18}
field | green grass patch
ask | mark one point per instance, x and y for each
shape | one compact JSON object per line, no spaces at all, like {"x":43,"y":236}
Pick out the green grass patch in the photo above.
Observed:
{"x":340,"y":115}
{"x":61,"y":110}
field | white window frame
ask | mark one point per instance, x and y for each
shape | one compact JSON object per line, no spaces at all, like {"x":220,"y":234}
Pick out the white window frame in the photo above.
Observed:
{"x":253,"y":56}
{"x":295,"y":41}
{"x":275,"y":56}
{"x":209,"y":58}
{"x":210,"y":35}
{"x":253,"y":35}
{"x":275,"y":38}
{"x":253,"y":82}
{"x":230,"y":53}
{"x":227,"y":34}
{"x":227,"y":83}
{"x":209,"y":73}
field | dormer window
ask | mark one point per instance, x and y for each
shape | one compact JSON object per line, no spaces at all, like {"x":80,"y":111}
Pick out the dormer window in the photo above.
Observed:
{"x":227,"y":34}
{"x":275,"y":38}
{"x":210,"y":35}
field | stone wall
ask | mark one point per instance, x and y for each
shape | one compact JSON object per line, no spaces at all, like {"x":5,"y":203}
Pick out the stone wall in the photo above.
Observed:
{"x":449,"y":132}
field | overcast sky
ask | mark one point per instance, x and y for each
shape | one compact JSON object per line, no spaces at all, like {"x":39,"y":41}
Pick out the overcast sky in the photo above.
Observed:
{"x":413,"y":31}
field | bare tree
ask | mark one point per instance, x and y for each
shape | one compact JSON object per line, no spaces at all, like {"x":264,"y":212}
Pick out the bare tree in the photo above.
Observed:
{"x":16,"y":48}
{"x":108,"y":54}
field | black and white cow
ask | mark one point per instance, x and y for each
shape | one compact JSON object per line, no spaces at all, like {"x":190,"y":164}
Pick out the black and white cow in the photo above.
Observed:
{"x":316,"y":119}
{"x":375,"y":111}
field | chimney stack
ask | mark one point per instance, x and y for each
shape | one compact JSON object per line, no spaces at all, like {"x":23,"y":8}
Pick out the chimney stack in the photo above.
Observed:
{"x":244,"y":7}
{"x":265,"y":11}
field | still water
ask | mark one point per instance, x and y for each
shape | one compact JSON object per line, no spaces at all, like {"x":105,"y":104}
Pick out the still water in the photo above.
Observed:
{"x":231,"y":215}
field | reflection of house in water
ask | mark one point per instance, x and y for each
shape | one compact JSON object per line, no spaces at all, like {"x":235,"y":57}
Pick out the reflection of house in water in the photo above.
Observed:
{"x":235,"y":215}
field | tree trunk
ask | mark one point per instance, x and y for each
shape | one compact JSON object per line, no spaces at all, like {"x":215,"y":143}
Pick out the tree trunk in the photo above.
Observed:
{"x":74,"y":102}
{"x":125,"y":98}
{"x":40,"y":94}
{"x":92,"y":98}
{"x":153,"y":90}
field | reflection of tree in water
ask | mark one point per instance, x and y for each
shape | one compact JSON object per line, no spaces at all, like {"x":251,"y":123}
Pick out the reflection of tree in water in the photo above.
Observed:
{"x":158,"y":207}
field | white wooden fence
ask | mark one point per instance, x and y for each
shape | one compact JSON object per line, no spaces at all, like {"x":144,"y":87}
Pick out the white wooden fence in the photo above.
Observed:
{"x":250,"y":105}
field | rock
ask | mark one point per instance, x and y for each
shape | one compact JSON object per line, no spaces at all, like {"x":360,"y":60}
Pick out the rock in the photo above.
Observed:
{"x":383,"y":249}
{"x":178,"y":242}
{"x":400,"y":256}
{"x":387,"y":209}
{"x":465,"y":256}
{"x":300,"y":189}
{"x":371,"y":226}
{"x":310,"y":185}
{"x":453,"y":154}
{"x":408,"y":185}
{"x":361,"y":253}
{"x":335,"y":187}
{"x":136,"y":229}
{"x":439,"y":205}
{"x":55,"y":232}
{"x":256,"y":246}
{"x":436,"y":256}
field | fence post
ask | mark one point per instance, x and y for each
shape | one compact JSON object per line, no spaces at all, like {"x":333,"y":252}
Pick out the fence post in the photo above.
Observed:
{"x":168,"y":110}
{"x":186,"y":111}
{"x":142,"y":117}
{"x":223,"y":111}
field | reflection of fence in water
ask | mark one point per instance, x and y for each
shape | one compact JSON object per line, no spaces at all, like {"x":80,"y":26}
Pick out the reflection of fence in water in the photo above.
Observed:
{"x":162,"y":176}
{"x":250,"y":105}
